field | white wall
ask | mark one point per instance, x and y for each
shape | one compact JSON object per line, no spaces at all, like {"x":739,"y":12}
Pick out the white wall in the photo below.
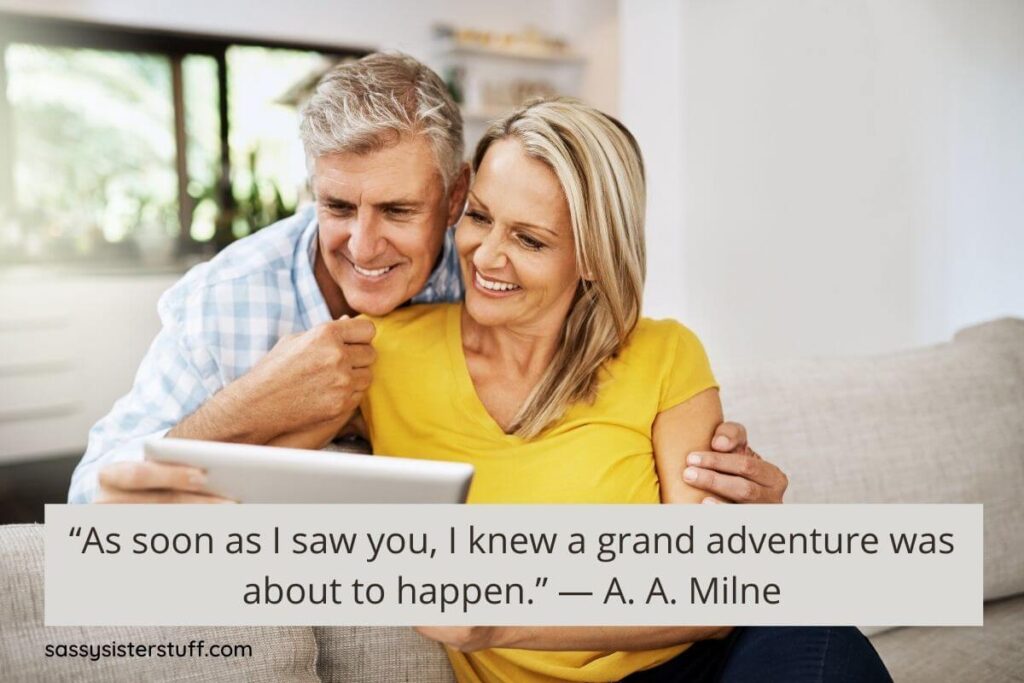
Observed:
{"x":829,"y":177}
{"x":378,"y":24}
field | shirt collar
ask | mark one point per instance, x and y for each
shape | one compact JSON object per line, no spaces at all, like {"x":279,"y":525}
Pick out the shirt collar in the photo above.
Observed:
{"x":312,"y":306}
{"x":446,"y":275}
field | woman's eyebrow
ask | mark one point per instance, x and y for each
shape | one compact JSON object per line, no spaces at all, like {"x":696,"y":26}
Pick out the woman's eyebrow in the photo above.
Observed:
{"x":522,"y":224}
{"x":478,"y":200}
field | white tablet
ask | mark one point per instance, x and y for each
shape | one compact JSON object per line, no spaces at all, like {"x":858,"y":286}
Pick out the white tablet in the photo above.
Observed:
{"x":265,"y":474}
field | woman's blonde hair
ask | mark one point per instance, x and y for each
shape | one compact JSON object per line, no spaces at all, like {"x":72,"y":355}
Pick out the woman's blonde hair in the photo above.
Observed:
{"x":599,"y":166}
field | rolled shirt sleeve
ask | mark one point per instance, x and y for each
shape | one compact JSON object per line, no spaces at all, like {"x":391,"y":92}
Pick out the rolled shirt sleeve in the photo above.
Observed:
{"x":168,"y":386}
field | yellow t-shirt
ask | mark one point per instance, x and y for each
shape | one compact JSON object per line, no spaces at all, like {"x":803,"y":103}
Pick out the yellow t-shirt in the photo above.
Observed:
{"x":422,"y":404}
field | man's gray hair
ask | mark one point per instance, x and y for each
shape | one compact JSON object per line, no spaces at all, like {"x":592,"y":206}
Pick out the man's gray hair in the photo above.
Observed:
{"x":365,"y":105}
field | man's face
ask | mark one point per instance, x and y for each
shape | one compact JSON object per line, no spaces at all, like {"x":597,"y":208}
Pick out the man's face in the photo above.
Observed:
{"x":382,"y":219}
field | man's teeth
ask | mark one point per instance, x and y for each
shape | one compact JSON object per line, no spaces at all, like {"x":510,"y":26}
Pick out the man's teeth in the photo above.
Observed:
{"x":494,"y":285}
{"x":371,"y":273}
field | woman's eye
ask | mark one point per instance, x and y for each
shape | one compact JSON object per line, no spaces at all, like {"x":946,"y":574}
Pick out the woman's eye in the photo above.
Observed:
{"x":477,"y":217}
{"x":530,"y":243}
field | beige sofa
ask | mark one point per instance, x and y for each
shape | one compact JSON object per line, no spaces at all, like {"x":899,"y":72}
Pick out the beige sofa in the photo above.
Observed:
{"x":939,"y":424}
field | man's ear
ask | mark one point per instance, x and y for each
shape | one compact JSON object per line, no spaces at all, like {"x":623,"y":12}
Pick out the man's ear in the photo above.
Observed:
{"x":458,"y":194}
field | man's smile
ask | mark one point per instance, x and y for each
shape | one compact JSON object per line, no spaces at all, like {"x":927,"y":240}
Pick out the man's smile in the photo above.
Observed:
{"x":372,"y":273}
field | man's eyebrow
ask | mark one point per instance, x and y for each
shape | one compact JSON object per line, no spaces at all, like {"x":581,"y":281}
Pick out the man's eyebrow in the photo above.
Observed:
{"x":334,"y":201}
{"x":399,"y":204}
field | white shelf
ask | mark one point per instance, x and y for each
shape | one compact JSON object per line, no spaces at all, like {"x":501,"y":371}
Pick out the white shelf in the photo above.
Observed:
{"x":485,"y":114}
{"x":472,"y":51}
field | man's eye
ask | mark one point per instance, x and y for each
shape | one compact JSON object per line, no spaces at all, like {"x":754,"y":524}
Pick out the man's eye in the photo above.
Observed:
{"x":398,"y":213}
{"x":339,"y":209}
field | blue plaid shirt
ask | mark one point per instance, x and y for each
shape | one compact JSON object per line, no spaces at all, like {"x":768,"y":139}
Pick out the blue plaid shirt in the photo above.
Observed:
{"x":218,"y":320}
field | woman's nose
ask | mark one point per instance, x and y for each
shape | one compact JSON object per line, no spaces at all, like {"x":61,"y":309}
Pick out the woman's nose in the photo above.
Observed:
{"x":490,"y":255}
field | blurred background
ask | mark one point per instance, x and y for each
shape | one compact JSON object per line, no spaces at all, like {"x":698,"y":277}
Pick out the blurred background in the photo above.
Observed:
{"x":826,"y":177}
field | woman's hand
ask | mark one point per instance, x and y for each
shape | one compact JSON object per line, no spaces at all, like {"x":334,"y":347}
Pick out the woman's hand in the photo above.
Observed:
{"x":463,"y":638}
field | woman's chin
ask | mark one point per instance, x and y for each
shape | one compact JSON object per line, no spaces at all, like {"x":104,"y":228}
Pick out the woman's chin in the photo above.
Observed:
{"x":490,"y":313}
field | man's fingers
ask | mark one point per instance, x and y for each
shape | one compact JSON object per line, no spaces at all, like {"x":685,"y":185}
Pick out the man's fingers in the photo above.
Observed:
{"x":138,"y":497}
{"x":360,"y":355}
{"x":354,"y":330}
{"x":361,"y":379}
{"x":729,"y":437}
{"x":757,"y":470}
{"x":727,"y":486}
{"x":142,"y":476}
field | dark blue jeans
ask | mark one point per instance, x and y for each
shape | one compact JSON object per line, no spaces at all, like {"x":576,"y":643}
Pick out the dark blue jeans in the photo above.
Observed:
{"x":790,"y":654}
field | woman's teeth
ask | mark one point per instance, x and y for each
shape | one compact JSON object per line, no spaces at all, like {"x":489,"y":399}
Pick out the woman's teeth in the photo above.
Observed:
{"x":494,"y":285}
{"x":371,"y":273}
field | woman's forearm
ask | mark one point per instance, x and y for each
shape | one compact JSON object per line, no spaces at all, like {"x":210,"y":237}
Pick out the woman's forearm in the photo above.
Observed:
{"x":603,"y":637}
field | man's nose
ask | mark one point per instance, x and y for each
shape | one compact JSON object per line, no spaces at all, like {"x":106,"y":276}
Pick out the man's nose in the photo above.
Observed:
{"x":365,"y":241}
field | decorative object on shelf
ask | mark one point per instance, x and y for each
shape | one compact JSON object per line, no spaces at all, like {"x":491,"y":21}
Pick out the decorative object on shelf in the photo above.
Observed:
{"x":490,"y":73}
{"x":529,"y":42}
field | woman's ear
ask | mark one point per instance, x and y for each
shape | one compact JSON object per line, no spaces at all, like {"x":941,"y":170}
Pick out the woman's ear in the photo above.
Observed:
{"x":457,"y":195}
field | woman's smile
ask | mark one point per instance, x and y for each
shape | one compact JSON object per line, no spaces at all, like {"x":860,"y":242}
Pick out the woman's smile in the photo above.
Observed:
{"x":493,"y":287}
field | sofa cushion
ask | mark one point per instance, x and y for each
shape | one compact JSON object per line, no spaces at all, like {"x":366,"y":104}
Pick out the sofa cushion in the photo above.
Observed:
{"x":943,"y":424}
{"x":977,"y":654}
{"x":278,"y":654}
{"x":367,"y":654}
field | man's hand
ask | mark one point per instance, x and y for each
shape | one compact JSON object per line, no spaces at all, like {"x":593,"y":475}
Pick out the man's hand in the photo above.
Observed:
{"x":735,"y":473}
{"x":308,"y":380}
{"x":153,"y":482}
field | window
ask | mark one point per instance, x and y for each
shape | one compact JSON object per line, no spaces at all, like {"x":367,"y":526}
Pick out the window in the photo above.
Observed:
{"x":120,"y":144}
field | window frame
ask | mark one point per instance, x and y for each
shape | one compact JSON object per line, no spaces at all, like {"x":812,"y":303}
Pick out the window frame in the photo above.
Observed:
{"x":175,"y":45}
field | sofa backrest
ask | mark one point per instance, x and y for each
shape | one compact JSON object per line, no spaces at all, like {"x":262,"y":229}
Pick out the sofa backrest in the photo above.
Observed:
{"x":943,"y":424}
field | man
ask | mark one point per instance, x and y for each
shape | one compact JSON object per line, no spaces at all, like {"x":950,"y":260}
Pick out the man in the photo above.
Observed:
{"x":261,"y":341}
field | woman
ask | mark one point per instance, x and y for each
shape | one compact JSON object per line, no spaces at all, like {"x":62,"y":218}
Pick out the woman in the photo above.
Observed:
{"x":558,"y":391}
{"x":546,"y":379}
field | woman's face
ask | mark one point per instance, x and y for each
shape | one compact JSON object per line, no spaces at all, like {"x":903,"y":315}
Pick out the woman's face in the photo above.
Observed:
{"x":515,"y":242}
